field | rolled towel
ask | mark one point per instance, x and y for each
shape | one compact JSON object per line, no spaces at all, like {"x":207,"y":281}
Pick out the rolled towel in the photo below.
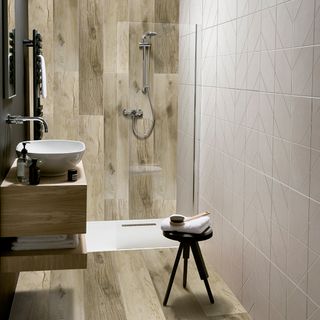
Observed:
{"x":43,"y":77}
{"x":71,"y":242}
{"x":38,"y":239}
{"x":196,"y":226}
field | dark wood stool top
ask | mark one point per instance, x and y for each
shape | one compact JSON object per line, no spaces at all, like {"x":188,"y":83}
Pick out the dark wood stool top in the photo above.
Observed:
{"x":184,"y":236}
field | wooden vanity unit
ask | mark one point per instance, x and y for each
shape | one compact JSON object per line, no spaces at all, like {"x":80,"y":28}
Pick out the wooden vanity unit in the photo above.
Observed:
{"x":55,"y":206}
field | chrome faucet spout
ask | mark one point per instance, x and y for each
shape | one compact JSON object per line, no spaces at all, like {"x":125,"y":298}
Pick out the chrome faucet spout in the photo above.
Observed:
{"x":21,"y":119}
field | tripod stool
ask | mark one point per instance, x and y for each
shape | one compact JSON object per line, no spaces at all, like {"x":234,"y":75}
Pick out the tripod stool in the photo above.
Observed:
{"x":187,"y":241}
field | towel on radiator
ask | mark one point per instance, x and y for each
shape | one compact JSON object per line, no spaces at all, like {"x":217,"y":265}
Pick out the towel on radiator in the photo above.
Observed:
{"x":43,"y":77}
{"x":193,"y":226}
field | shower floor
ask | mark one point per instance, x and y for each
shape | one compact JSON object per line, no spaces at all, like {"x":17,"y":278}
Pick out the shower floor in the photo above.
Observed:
{"x":126,"y":235}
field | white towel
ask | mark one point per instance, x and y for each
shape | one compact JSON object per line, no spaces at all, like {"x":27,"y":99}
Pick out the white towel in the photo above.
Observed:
{"x":43,"y":77}
{"x":71,"y":242}
{"x":193,"y":226}
{"x":42,"y":238}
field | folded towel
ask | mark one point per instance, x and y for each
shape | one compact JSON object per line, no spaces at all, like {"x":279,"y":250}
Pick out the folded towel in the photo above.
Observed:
{"x":197,"y":226}
{"x":43,"y":77}
{"x":71,"y":242}
{"x":42,"y":238}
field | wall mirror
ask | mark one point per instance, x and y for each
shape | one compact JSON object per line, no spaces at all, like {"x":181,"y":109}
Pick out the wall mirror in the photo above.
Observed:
{"x":9,"y":52}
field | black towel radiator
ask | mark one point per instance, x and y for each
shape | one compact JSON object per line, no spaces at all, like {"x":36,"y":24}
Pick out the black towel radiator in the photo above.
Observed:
{"x":36,"y":44}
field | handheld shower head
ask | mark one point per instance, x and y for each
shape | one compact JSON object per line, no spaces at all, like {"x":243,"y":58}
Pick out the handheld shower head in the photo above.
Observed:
{"x":146,"y":36}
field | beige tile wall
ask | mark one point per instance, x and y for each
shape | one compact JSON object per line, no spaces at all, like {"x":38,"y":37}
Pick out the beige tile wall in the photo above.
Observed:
{"x":259,"y":169}
{"x":94,"y":72}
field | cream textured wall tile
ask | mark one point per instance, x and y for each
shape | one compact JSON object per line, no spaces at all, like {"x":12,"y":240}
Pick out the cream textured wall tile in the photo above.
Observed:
{"x":296,"y":304}
{"x":253,"y":77}
{"x":300,"y":169}
{"x":209,"y":13}
{"x":314,"y":223}
{"x":227,"y":10}
{"x":317,"y":22}
{"x":268,"y":29}
{"x":297,"y":262}
{"x":315,"y":175}
{"x":241,"y":70}
{"x":315,"y":138}
{"x":283,"y":74}
{"x":254,"y":5}
{"x":313,"y":281}
{"x":316,"y":72}
{"x":299,"y":216}
{"x":195,"y":13}
{"x":242,"y":34}
{"x":267,"y":71}
{"x":226,"y":71}
{"x":302,"y":71}
{"x":227,"y":38}
{"x":303,"y":27}
{"x":284,"y":31}
{"x":242,"y":8}
{"x":281,"y":160}
{"x":263,"y":161}
{"x":209,"y":71}
{"x":268,"y":3}
{"x":254,"y":34}
{"x":278,"y":291}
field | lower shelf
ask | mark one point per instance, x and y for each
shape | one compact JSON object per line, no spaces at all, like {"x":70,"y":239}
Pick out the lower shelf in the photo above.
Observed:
{"x":35,"y":260}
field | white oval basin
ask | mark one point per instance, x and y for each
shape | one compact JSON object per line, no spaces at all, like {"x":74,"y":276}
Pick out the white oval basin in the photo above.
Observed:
{"x":55,"y":156}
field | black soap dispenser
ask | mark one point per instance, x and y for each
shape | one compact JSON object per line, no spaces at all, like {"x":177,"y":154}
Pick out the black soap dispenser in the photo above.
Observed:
{"x":34,"y":173}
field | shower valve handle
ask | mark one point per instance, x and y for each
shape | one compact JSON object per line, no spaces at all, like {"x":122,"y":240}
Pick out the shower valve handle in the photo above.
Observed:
{"x":134,"y":113}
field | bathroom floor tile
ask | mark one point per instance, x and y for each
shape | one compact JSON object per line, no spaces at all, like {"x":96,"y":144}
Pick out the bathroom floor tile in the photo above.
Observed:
{"x":123,"y":285}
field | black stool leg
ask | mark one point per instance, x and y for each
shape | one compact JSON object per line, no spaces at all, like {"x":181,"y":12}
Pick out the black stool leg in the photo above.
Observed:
{"x":173,"y":273}
{"x":186,"y":253}
{"x":201,"y":268}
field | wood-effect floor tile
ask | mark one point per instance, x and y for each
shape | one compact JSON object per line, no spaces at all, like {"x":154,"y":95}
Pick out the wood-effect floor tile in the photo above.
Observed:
{"x":126,"y":285}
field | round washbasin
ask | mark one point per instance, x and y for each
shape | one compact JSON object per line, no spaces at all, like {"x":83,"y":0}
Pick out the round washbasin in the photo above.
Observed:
{"x":55,"y":156}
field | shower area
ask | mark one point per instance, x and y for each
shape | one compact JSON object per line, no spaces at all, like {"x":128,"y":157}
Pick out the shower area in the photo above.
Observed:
{"x":113,"y":83}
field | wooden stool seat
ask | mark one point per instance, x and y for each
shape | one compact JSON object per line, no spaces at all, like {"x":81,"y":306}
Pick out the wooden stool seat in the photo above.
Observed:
{"x":187,"y":241}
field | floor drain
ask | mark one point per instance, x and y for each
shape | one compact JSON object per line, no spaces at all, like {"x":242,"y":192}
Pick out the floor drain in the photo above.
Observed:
{"x":138,"y":224}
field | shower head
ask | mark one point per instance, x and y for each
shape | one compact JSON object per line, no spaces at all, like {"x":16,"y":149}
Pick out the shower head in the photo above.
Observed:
{"x":147,"y":35}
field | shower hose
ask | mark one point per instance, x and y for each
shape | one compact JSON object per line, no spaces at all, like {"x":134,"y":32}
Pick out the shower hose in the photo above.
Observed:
{"x":149,"y":131}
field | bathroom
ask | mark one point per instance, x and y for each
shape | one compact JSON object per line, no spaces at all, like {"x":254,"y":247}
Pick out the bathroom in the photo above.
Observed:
{"x":234,"y":88}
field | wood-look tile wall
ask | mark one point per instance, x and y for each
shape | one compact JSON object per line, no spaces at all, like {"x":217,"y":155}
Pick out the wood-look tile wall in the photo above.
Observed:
{"x":95,"y":71}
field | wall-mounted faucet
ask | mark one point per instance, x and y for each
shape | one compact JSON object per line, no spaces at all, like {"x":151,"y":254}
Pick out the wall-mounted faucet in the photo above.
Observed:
{"x":21,"y":119}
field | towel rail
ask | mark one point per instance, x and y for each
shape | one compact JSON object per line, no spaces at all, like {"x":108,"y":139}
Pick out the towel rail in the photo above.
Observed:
{"x":36,"y":44}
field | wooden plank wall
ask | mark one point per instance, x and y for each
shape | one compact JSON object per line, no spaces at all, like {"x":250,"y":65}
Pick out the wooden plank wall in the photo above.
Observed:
{"x":92,"y":54}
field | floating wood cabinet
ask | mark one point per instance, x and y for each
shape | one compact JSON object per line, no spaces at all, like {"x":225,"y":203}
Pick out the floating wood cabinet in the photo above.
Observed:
{"x":55,"y":206}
